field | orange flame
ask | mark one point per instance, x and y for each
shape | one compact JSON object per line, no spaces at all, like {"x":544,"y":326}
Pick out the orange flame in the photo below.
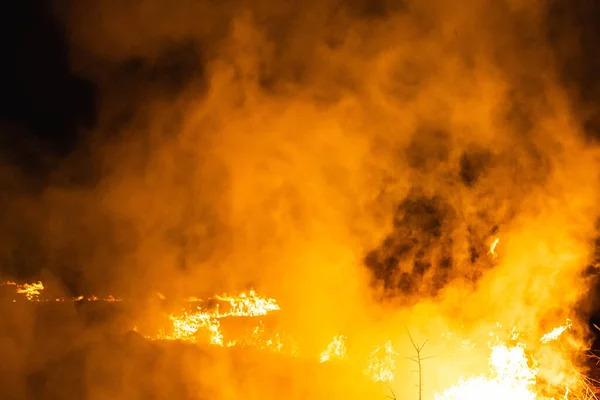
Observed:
{"x":512,"y":378}
{"x":30,"y":290}
{"x":382,"y":363}
{"x":512,"y":371}
{"x":556,"y":332}
{"x":336,"y":350}
{"x":187,"y":325}
{"x":33,"y":292}
{"x":492,"y":250}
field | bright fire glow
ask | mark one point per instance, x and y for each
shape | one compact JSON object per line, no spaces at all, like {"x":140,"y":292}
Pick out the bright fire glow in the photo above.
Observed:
{"x":186,"y":326}
{"x":511,"y":378}
{"x":382,"y":363}
{"x":30,"y":290}
{"x":248,"y":305}
{"x":512,"y":371}
{"x":556,"y":332}
{"x":33,"y":292}
{"x":258,"y":338}
{"x":493,"y":248}
{"x":336,"y":350}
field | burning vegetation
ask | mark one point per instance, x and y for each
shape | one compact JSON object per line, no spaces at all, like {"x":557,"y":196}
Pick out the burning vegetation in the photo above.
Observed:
{"x":512,"y":373}
{"x":399,"y":198}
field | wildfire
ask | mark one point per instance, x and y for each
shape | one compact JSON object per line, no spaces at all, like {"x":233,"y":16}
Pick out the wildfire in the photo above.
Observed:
{"x":33,"y":292}
{"x":513,"y":372}
{"x":187,"y":325}
{"x":336,"y":350}
{"x":382,"y":363}
{"x":512,"y":378}
{"x":248,"y":305}
{"x":493,"y":248}
{"x":258,"y":338}
{"x":30,"y":290}
{"x":556,"y":332}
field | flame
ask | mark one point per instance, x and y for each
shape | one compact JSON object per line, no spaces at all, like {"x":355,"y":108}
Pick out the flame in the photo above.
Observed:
{"x":257,"y":338}
{"x":511,"y":378}
{"x":382,"y":363}
{"x":336,"y":350}
{"x":556,"y":332}
{"x":248,"y":305}
{"x":187,"y":325}
{"x":492,"y":250}
{"x":512,"y":371}
{"x":30,"y":290}
{"x":33,"y":292}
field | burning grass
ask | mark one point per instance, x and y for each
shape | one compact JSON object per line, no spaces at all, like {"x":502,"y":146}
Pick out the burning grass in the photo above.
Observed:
{"x":514,"y":358}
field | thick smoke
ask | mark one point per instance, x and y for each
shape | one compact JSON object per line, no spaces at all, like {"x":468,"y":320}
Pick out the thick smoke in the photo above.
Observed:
{"x":355,"y":160}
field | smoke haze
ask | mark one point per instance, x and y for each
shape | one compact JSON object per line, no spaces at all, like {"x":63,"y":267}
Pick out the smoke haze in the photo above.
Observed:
{"x":354,"y":160}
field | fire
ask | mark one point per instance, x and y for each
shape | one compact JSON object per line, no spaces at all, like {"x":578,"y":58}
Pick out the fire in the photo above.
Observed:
{"x":33,"y":292}
{"x":187,"y":325}
{"x":257,"y":338}
{"x":513,"y":370}
{"x":248,"y":305}
{"x":336,"y":350}
{"x":30,"y":290}
{"x":492,"y":250}
{"x":511,"y":378}
{"x":358,"y":161}
{"x":556,"y":332}
{"x":382,"y":363}
{"x":513,"y":373}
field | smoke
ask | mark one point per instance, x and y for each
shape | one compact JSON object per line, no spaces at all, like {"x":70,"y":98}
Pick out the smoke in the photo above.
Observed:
{"x":354,"y":160}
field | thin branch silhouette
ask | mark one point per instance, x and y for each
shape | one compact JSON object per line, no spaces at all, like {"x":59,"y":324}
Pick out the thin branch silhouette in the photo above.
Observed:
{"x":418,"y":360}
{"x":393,"y":396}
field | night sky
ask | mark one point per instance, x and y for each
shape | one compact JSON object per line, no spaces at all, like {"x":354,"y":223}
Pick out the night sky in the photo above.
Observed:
{"x":44,"y":108}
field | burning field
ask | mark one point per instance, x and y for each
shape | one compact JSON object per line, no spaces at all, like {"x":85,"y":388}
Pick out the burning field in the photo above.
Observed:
{"x":519,"y":365}
{"x":312,"y":200}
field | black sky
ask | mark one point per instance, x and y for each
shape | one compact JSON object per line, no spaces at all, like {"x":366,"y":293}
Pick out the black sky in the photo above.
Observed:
{"x":43,"y":106}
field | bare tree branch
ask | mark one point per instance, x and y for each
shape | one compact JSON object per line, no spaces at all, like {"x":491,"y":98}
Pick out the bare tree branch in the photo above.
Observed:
{"x":418,"y":360}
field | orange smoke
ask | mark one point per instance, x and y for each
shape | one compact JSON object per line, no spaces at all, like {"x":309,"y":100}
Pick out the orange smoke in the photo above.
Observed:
{"x":373,"y":167}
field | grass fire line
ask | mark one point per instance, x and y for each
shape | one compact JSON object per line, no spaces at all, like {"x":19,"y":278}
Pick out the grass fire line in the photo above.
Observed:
{"x":512,"y":370}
